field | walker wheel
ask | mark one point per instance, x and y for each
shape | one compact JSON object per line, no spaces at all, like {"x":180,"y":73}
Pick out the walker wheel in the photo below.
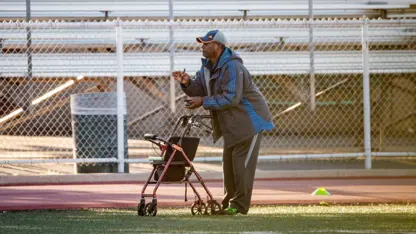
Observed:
{"x":150,"y":209}
{"x":212,"y":207}
{"x":140,"y":208}
{"x":198,"y":208}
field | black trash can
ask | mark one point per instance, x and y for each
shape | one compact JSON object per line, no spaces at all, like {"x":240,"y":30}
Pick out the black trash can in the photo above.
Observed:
{"x":94,"y":130}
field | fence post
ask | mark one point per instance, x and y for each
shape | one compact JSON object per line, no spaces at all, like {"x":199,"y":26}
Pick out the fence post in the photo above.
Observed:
{"x":120,"y":96}
{"x":171,"y":60}
{"x":29,"y":59}
{"x":366,"y":94}
{"x":312,"y":100}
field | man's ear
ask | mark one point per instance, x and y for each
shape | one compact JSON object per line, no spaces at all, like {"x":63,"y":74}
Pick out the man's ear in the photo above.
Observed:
{"x":219,"y":47}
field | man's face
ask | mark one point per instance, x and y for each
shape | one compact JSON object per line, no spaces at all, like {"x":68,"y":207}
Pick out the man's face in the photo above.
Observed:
{"x":209,"y":50}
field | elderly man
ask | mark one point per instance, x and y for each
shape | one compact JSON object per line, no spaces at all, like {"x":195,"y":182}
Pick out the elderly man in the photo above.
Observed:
{"x":240,"y":114}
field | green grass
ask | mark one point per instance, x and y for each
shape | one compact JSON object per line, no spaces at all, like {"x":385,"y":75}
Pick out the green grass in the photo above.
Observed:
{"x":266,"y":219}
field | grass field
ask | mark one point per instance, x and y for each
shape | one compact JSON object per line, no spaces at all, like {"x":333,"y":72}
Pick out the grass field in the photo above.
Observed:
{"x":261,"y":219}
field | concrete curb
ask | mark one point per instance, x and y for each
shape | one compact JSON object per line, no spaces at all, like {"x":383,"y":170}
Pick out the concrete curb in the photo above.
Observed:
{"x":106,"y":178}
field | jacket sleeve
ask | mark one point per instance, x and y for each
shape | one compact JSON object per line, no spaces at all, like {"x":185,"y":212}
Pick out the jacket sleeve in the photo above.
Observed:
{"x":195,"y":86}
{"x":232,"y":86}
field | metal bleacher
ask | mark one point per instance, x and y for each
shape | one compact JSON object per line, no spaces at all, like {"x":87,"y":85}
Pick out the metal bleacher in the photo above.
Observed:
{"x":292,"y":57}
{"x":75,"y":45}
{"x":96,"y":9}
{"x":157,"y":64}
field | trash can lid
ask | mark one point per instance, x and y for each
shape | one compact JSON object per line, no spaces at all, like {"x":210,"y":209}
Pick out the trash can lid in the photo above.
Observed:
{"x":96,"y":103}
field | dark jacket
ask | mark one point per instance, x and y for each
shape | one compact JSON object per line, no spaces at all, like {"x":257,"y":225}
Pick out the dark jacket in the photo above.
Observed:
{"x":238,"y":108}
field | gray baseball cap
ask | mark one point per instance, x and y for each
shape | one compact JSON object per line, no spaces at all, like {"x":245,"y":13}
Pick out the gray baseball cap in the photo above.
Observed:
{"x":213,"y":35}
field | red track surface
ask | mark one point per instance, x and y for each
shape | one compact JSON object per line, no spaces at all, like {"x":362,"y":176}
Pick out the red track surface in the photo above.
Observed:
{"x":267,"y":191}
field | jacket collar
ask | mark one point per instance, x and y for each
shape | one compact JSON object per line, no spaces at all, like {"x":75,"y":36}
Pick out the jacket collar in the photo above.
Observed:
{"x":226,"y":56}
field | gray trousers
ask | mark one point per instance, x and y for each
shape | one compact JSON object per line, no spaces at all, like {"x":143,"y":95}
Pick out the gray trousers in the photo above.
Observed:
{"x":239,"y":167}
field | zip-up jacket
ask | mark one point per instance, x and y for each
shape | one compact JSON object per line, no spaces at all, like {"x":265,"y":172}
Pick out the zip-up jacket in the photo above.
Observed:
{"x":238,"y":108}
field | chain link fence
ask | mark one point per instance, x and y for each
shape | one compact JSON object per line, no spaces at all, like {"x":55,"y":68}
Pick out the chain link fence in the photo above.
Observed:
{"x":393,"y":89}
{"x":37,"y":120}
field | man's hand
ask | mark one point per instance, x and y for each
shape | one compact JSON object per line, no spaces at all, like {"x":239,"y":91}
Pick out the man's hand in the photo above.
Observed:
{"x":182,"y":77}
{"x":193,"y":102}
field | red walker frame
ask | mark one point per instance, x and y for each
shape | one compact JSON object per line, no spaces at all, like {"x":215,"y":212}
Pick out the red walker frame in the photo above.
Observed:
{"x":198,"y":207}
